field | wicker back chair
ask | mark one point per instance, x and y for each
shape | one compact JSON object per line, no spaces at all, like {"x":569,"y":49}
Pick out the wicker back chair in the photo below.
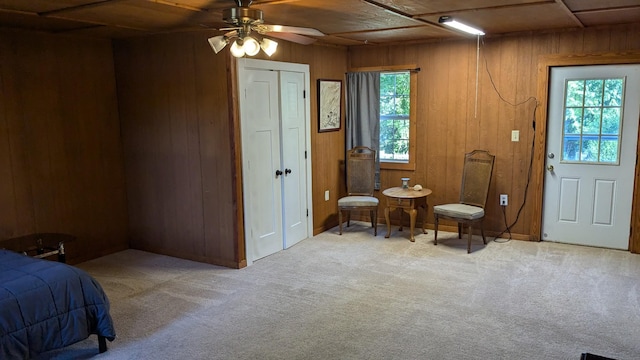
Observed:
{"x":360,"y":185}
{"x":476,"y":178}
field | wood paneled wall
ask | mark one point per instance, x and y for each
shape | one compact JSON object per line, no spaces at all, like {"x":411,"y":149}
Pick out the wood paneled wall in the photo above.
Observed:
{"x":60,"y":150}
{"x":179,"y":130}
{"x":65,"y":159}
{"x":452,"y":121}
{"x":176,"y":135}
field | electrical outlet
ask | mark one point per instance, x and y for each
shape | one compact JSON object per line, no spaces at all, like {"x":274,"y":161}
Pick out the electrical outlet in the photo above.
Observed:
{"x":504,"y":200}
{"x":515,"y":135}
{"x":326,"y":195}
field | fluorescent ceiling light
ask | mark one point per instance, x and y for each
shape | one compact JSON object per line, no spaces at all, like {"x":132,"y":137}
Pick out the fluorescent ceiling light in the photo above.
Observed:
{"x":449,"y":21}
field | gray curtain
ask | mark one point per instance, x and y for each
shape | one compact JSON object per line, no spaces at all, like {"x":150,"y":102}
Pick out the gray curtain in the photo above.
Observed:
{"x":363,"y":114}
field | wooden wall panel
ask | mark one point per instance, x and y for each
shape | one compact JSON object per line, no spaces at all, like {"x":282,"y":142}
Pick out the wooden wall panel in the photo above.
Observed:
{"x":220,"y":209}
{"x":176,"y":133}
{"x":435,"y":146}
{"x":61,"y":155}
{"x":15,"y":191}
{"x":522,"y":122}
{"x":505,"y":74}
{"x":174,"y":93}
{"x":447,"y":127}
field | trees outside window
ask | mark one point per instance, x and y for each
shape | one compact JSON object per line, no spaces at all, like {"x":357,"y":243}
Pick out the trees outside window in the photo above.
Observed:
{"x":592,"y":116}
{"x":395,"y":110}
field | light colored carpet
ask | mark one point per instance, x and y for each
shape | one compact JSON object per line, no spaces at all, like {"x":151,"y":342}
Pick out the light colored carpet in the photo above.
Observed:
{"x":358,"y":296}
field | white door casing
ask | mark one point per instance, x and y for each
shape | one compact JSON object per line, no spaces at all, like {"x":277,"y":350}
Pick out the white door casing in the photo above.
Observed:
{"x":277,"y":210}
{"x":590,"y":204}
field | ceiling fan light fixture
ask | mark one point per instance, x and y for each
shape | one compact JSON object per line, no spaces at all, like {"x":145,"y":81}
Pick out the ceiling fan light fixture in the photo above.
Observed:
{"x":449,"y":21}
{"x":250,"y":46}
{"x":245,"y":21}
{"x":218,"y":43}
{"x":237,"y":50}
{"x":268,"y":46}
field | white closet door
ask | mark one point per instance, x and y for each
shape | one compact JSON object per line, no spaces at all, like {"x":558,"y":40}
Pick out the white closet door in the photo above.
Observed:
{"x":276,"y":165}
{"x":293,"y":155}
{"x":262,"y":187}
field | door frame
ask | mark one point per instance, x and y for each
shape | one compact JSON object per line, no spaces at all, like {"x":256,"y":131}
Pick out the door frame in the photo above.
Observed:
{"x":236,"y":63}
{"x":545,"y":63}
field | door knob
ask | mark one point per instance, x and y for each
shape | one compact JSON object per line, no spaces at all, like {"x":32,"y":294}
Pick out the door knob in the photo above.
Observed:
{"x":287,"y":171}
{"x":550,"y":168}
{"x":278,"y":173}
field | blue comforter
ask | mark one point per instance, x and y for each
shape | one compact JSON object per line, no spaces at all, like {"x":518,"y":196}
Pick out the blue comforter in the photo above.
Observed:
{"x":46,"y":305}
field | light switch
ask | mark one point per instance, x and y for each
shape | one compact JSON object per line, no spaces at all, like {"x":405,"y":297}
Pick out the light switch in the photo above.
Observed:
{"x":326,"y":195}
{"x":515,"y":135}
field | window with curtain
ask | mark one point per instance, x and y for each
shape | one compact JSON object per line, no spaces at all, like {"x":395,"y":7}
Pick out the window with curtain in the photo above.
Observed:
{"x":381,"y":108}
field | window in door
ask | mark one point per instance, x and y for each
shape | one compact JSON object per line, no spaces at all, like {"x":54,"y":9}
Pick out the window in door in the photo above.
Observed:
{"x":592,"y":121}
{"x":397,"y":125}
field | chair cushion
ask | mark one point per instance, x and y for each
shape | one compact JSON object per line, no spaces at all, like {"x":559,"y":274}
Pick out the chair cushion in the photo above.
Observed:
{"x":358,"y":201}
{"x":462,"y":211}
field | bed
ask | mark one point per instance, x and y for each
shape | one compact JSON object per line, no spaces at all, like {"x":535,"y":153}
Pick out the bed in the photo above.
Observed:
{"x":47,"y":305}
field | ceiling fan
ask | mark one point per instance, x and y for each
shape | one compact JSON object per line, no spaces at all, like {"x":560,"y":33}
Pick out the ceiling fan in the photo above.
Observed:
{"x":245,"y":20}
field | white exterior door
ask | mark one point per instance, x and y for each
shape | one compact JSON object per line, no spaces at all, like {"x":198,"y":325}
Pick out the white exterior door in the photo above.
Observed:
{"x":591,"y":155}
{"x":274,"y":112}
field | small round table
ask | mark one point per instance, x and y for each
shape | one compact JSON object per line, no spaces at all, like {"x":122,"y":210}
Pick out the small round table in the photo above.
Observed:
{"x":408,"y":200}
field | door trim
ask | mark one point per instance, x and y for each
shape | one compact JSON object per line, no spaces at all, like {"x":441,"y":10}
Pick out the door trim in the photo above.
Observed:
{"x":545,"y":63}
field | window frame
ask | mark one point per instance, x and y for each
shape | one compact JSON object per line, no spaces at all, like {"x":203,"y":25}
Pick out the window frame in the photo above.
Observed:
{"x":581,"y":136}
{"x":413,"y":78}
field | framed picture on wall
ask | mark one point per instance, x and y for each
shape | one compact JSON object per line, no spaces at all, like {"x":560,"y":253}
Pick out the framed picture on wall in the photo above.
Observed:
{"x":329,"y":102}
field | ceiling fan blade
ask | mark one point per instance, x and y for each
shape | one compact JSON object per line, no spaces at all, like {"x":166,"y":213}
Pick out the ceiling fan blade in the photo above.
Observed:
{"x":231,"y":34}
{"x":299,"y":39}
{"x":288,"y":29}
